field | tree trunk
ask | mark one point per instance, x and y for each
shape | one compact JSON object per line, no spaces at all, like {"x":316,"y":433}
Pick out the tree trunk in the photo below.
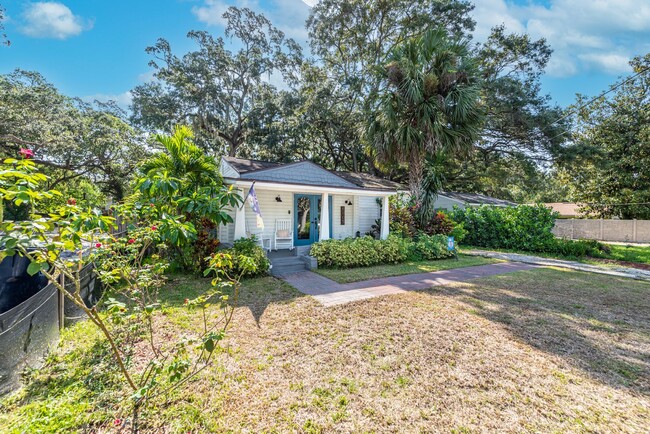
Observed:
{"x":416,"y":170}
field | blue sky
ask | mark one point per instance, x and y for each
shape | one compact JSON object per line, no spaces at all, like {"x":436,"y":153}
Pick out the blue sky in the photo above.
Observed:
{"x":95,"y":49}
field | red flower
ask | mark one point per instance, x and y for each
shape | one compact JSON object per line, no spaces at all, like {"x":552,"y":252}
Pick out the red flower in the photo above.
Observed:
{"x":151,"y":204}
{"x":26,"y":153}
{"x":98,"y":245}
{"x":131,"y":240}
{"x":117,"y":422}
{"x":187,"y":300}
{"x":72,"y":201}
{"x":154,"y":228}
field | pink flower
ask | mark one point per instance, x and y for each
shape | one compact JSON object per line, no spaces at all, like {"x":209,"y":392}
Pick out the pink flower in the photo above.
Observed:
{"x":154,"y":228}
{"x":26,"y":153}
{"x":117,"y":422}
{"x":131,"y":241}
{"x":98,"y":245}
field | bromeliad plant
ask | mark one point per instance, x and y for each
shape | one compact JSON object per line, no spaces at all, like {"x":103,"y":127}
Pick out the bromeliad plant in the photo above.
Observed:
{"x":63,"y":243}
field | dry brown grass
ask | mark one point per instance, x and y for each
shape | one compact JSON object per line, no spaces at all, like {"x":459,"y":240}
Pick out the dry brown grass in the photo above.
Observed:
{"x":534,"y":351}
{"x":537,"y":351}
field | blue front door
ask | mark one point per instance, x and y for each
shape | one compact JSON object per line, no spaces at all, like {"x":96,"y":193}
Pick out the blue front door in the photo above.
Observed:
{"x":307,"y":209}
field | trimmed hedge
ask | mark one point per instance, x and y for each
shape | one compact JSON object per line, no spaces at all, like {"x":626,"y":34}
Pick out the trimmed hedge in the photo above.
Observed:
{"x":366,"y":251}
{"x":525,"y":228}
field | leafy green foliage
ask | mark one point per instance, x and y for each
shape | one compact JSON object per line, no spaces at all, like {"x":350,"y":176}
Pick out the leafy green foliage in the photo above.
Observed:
{"x":248,"y":248}
{"x":429,"y":102}
{"x":73,"y":140}
{"x":183,"y":188}
{"x":366,"y":251}
{"x":224,"y":109}
{"x":524,"y":228}
{"x":69,"y":241}
{"x":610,"y":171}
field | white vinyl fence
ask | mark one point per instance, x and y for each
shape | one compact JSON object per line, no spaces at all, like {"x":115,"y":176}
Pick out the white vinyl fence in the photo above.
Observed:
{"x":631,"y":231}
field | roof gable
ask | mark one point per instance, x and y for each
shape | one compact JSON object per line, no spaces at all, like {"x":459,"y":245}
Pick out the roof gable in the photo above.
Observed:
{"x":302,"y":172}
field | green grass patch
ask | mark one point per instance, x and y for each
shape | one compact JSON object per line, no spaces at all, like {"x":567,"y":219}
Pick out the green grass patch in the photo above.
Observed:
{"x":411,"y":267}
{"x":630,"y":253}
{"x":619,"y":252}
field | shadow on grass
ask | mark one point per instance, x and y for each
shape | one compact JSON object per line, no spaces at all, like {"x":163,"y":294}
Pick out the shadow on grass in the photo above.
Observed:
{"x":600,"y":324}
{"x":256,"y":293}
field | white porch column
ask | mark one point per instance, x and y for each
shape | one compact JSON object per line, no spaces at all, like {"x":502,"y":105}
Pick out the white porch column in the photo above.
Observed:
{"x":385,"y":221}
{"x":240,"y":219}
{"x":324,"y":218}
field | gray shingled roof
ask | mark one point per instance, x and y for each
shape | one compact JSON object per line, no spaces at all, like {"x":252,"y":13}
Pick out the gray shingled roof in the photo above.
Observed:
{"x":243,"y":165}
{"x":476,"y":199}
{"x":261,"y":171}
{"x":366,"y":180}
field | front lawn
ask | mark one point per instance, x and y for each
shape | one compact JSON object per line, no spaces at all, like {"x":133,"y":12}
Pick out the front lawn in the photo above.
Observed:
{"x":543,"y":350}
{"x":411,"y":267}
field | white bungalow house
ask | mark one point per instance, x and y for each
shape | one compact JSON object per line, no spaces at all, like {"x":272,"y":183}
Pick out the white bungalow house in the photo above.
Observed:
{"x":292,"y":198}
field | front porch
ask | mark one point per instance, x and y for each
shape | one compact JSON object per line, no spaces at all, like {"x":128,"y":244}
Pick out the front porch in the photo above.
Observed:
{"x":349,"y":214}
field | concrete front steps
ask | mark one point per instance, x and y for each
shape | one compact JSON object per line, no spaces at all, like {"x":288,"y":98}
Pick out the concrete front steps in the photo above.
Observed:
{"x":286,"y":262}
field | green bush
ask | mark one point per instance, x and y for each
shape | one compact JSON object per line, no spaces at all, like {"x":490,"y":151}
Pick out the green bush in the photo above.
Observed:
{"x":366,"y":251}
{"x":526,"y":228}
{"x":520,"y":228}
{"x":249,"y":247}
{"x":428,"y":247}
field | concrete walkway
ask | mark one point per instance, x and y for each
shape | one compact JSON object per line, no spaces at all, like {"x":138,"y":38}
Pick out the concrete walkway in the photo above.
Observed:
{"x":331,"y":293}
{"x":632,"y":273}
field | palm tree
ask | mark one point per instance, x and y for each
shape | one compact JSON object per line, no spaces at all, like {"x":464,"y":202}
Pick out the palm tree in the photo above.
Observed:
{"x":181,"y":166}
{"x":429,"y":104}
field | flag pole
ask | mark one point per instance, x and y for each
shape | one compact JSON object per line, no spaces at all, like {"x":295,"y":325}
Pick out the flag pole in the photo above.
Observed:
{"x":247,"y":194}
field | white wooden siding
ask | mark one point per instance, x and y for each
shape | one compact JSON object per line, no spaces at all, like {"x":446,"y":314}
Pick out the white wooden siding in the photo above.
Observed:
{"x":361,"y":215}
{"x":340,"y":231}
{"x":369,"y":211}
{"x":227,"y":170}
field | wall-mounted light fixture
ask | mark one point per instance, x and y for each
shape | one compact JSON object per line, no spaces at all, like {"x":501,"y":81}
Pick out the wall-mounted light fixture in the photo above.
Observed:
{"x":278,"y":198}
{"x":348,"y":202}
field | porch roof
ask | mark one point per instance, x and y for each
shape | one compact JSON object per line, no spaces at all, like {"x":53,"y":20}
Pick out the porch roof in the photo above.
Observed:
{"x":301,"y":187}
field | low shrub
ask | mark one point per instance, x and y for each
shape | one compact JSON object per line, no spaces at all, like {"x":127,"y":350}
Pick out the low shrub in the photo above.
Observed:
{"x":522,"y":227}
{"x":366,"y":251}
{"x":577,"y":249}
{"x":428,"y":247}
{"x":249,"y":247}
{"x":525,"y":228}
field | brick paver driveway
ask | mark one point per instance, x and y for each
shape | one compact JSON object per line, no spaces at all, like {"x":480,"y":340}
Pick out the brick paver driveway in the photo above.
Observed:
{"x":331,"y":293}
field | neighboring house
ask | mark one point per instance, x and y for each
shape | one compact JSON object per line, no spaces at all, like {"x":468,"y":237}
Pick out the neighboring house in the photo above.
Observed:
{"x":298,"y":192}
{"x":566,"y":210}
{"x":447,"y":200}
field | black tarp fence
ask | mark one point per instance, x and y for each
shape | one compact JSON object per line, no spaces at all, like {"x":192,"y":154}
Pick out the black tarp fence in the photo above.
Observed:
{"x":28,"y":329}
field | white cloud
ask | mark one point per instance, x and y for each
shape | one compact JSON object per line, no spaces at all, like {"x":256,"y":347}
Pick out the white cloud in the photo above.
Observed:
{"x":52,"y":20}
{"x":123,"y":99}
{"x":287,"y":15}
{"x":584,"y":34}
{"x":613,"y":63}
{"x":310,"y":3}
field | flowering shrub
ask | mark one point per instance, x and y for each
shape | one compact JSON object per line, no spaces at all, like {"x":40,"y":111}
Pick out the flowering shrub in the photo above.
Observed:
{"x":62,"y":242}
{"x":403,"y":222}
{"x":366,"y":251}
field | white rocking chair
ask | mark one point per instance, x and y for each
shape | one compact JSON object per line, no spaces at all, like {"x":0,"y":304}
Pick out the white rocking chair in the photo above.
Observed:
{"x":259,"y":238}
{"x":283,"y":235}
